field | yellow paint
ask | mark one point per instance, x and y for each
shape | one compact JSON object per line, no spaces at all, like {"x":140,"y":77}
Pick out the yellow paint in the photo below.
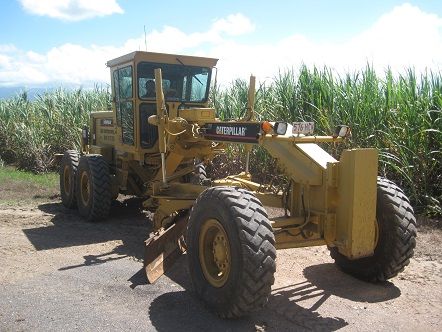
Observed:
{"x":329,"y":201}
{"x":356,"y":211}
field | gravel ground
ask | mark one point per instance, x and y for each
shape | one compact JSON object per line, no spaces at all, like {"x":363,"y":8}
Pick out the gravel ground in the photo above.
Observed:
{"x":60,"y":273}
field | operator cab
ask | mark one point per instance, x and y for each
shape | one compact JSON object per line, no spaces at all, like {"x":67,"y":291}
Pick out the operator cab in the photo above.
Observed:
{"x":186,"y":83}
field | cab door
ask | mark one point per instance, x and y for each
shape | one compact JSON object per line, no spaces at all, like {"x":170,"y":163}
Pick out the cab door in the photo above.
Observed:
{"x":124,"y":107}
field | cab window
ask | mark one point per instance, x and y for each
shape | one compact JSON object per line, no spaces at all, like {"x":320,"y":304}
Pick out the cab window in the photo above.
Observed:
{"x":124,"y":103}
{"x":180,"y":82}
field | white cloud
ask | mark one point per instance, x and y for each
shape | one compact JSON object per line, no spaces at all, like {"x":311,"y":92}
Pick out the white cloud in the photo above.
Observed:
{"x":75,"y":64}
{"x":72,"y":10}
{"x":405,"y":36}
{"x":234,"y":25}
{"x":402,"y":38}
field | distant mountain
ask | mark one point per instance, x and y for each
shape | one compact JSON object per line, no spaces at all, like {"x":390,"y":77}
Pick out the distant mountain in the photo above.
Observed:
{"x":10,"y":92}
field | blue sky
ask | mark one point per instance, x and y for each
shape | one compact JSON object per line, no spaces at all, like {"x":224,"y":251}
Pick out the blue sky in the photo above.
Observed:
{"x":49,"y":42}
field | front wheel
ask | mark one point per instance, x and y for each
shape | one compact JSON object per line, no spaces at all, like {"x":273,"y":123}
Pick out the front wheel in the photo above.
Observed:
{"x":396,"y":238}
{"x":231,"y":250}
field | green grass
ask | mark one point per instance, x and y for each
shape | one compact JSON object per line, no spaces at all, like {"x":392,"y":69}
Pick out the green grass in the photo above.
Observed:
{"x":46,"y":180}
{"x":18,"y":188}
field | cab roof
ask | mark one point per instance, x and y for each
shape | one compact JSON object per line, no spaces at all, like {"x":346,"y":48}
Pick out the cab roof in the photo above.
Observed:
{"x":140,"y":56}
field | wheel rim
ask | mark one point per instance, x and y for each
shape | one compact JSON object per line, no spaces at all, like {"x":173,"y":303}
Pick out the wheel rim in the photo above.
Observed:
{"x":85,"y":188}
{"x":214,"y":253}
{"x":67,"y":179}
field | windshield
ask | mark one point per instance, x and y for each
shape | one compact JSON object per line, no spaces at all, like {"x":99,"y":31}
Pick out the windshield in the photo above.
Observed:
{"x":180,"y":82}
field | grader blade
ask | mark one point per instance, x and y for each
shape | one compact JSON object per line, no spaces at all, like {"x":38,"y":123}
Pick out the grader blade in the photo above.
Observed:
{"x":162,"y":249}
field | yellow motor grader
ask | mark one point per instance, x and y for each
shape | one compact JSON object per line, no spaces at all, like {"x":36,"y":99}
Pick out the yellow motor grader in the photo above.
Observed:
{"x":154,"y":144}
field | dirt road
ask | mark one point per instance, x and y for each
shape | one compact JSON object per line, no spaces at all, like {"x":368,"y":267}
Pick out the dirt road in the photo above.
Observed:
{"x":60,"y":273}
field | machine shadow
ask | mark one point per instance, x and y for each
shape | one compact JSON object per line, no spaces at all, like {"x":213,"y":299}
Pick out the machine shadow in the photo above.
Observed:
{"x":323,"y":281}
{"x":126,"y":223}
{"x":180,"y":311}
{"x":185,"y":311}
{"x":130,"y":225}
{"x":332,"y":281}
{"x":288,"y":302}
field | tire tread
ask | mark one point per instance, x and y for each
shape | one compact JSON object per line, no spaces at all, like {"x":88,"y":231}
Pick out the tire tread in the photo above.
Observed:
{"x":395,"y":255}
{"x":70,"y":157}
{"x":101,"y":187}
{"x":257,"y":248}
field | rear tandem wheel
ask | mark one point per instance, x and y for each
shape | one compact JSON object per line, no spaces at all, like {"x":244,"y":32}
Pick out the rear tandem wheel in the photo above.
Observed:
{"x":93,"y":187}
{"x":68,"y":172}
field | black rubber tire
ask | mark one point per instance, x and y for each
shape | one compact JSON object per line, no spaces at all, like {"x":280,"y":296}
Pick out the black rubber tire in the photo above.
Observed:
{"x":98,"y":202}
{"x":252,"y":247}
{"x":199,"y":175}
{"x":68,"y":193}
{"x":396,"y":241}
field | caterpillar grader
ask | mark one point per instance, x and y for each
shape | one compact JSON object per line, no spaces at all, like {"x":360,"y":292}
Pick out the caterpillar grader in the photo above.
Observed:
{"x":154,"y":144}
